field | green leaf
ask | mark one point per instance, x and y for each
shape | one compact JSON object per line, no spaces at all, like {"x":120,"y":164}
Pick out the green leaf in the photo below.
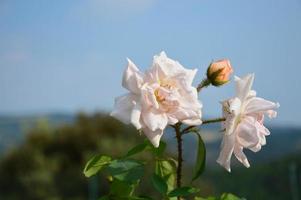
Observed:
{"x":147,"y":145}
{"x":228,"y":196}
{"x":200,"y":158}
{"x":121,"y":188}
{"x":183,"y":191}
{"x":126,"y":170}
{"x":156,"y":151}
{"x":137,"y":149}
{"x":159,"y":183}
{"x":95,"y":164}
{"x":166,"y":169}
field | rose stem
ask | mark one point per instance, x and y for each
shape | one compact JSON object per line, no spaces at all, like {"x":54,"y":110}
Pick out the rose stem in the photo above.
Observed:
{"x":204,"y":83}
{"x":187,"y":129}
{"x":180,"y":156}
{"x":213,"y":120}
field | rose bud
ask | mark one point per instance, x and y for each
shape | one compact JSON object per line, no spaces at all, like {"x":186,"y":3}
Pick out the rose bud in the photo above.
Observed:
{"x":218,"y":72}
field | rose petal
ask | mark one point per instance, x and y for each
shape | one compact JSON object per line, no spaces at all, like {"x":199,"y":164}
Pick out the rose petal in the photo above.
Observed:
{"x":259,"y":105}
{"x":227,"y":147}
{"x":171,"y":67}
{"x":148,"y":98}
{"x":243,"y":86}
{"x":247,"y":133}
{"x":153,"y":136}
{"x":241,"y":157}
{"x":235,"y":105}
{"x":132,"y":78}
{"x":123,"y":107}
{"x":136,"y":115}
{"x":154,"y":120}
{"x":192,"y":122}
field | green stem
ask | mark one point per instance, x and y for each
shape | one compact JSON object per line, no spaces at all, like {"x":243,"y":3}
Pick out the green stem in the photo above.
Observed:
{"x":221,"y":119}
{"x":180,"y":155}
{"x":186,"y":130}
{"x":205,"y":83}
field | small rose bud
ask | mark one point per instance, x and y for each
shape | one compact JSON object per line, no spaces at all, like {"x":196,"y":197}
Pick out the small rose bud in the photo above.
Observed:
{"x":218,"y":72}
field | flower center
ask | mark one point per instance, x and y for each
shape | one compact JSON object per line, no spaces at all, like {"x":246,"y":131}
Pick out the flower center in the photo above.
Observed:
{"x":166,"y":95}
{"x":160,"y":98}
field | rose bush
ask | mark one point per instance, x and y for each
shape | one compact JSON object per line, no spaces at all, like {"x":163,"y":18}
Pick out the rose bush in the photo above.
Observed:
{"x":164,"y":95}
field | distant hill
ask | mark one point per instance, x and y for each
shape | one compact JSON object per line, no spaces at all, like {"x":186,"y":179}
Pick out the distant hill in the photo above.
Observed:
{"x":281,"y":142}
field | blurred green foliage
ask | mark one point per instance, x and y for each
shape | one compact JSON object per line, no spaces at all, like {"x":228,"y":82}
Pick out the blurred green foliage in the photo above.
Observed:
{"x":49,"y":164}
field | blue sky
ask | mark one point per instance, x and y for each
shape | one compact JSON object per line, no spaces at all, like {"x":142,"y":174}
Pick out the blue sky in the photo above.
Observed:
{"x":69,"y":55}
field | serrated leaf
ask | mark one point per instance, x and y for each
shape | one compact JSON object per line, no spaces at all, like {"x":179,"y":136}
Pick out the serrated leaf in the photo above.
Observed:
{"x":159,"y":183}
{"x":121,"y":188}
{"x":137,"y":149}
{"x":183,"y":191}
{"x":166,"y":169}
{"x":156,"y":151}
{"x":95,"y":164}
{"x":200,"y":162}
{"x":126,"y":170}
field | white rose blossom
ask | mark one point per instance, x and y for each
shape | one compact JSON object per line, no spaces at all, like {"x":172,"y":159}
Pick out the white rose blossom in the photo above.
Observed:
{"x":244,"y":127}
{"x":163,"y":95}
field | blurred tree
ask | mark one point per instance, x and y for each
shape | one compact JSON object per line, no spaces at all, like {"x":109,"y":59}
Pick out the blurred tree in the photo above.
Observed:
{"x":49,"y":164}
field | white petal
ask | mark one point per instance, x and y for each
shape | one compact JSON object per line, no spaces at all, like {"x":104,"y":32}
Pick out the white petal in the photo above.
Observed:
{"x":188,"y":115}
{"x":224,"y":158}
{"x":241,"y":157}
{"x":192,"y":122}
{"x":185,"y":89}
{"x":171,"y":67}
{"x":235,"y":105}
{"x":229,"y":124}
{"x":154,"y":74}
{"x":231,"y":111}
{"x":136,"y":115}
{"x":148,"y":98}
{"x":243,"y":86}
{"x":252,"y":93}
{"x":272,"y":113}
{"x":132,"y":78}
{"x":154,"y":120}
{"x":247,"y":134}
{"x":259,"y":105}
{"x":172,"y":120}
{"x":153,"y":136}
{"x":123,"y":107}
{"x":262,"y":129}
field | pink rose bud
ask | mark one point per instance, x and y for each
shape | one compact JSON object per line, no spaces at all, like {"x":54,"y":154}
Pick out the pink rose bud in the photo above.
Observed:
{"x":218,"y":72}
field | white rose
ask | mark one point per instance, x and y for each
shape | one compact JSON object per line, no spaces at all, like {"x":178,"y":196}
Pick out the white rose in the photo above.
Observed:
{"x":244,"y":127}
{"x":163,"y":95}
